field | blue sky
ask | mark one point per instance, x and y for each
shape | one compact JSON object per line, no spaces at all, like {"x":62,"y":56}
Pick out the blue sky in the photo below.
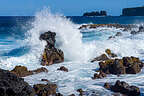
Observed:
{"x":66,"y":7}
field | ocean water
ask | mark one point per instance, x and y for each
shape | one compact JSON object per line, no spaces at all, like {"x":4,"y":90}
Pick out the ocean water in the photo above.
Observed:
{"x":20,"y":45}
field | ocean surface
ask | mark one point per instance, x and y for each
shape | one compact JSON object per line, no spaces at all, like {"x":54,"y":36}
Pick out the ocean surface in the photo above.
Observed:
{"x":20,"y":45}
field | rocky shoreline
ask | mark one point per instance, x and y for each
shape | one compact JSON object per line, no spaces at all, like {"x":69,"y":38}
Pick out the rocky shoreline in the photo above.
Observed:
{"x":12,"y":83}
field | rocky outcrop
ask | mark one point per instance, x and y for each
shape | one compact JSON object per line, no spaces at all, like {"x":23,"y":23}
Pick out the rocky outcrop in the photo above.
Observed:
{"x":126,"y":65}
{"x":137,"y":11}
{"x":93,"y":26}
{"x":81,"y":92}
{"x":116,"y":35}
{"x":45,"y":89}
{"x":99,"y":76}
{"x":62,"y":68}
{"x":140,"y":30}
{"x":22,"y":71}
{"x":95,"y":13}
{"x":11,"y":85}
{"x":124,"y":88}
{"x":51,"y":54}
{"x":104,"y":57}
{"x":111,"y":65}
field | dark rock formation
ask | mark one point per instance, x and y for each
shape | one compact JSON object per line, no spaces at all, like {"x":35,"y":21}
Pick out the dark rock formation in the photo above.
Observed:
{"x":96,"y":13}
{"x":110,"y":54}
{"x":103,"y":57}
{"x":81,"y":92}
{"x":45,"y":89}
{"x":141,"y":30}
{"x":62,"y":68}
{"x":58,"y":94}
{"x":45,"y":80}
{"x":123,"y":88}
{"x":125,"y":27}
{"x":51,"y":54}
{"x":126,"y":65}
{"x":22,"y":71}
{"x":99,"y":76}
{"x":72,"y":95}
{"x":137,"y":11}
{"x":11,"y":85}
{"x":118,"y":34}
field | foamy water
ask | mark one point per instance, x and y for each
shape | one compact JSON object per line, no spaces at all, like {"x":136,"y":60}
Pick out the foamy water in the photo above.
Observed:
{"x":79,"y":46}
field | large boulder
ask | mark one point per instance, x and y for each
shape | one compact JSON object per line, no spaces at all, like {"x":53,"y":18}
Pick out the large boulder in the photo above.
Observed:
{"x":133,"y":65}
{"x":126,"y":65}
{"x":124,"y":88}
{"x":11,"y":85}
{"x":51,"y":55}
{"x":45,"y":89}
{"x":22,"y":71}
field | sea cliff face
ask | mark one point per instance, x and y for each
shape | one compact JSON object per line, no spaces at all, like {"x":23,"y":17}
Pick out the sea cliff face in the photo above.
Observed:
{"x":137,"y":11}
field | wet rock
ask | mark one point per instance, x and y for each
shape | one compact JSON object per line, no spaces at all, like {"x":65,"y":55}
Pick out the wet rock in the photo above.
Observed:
{"x":58,"y":94}
{"x":126,"y":65}
{"x":45,"y":80}
{"x":108,"y":66}
{"x":49,"y":37}
{"x":133,"y":65}
{"x":45,"y":89}
{"x":141,"y":29}
{"x":118,"y":34}
{"x":110,"y":54}
{"x":22,"y":71}
{"x":124,"y":88}
{"x":72,"y":95}
{"x":81,"y":92}
{"x":93,"y":26}
{"x":111,"y":37}
{"x":107,"y":86}
{"x":103,"y":57}
{"x":99,"y":76}
{"x":51,"y":55}
{"x":62,"y":68}
{"x":134,"y":32}
{"x":11,"y":85}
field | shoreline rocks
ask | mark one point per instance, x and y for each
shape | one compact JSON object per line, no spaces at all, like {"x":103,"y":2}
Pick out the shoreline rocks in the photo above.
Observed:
{"x":126,"y":65}
{"x":51,"y":55}
{"x":45,"y":89}
{"x":111,"y":65}
{"x":62,"y":68}
{"x":99,"y":76}
{"x":11,"y":85}
{"x":124,"y":88}
{"x":140,"y":30}
{"x":106,"y":56}
{"x":22,"y":71}
{"x":125,"y":27}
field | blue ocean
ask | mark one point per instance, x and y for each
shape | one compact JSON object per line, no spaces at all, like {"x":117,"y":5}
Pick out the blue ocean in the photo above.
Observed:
{"x":20,"y":45}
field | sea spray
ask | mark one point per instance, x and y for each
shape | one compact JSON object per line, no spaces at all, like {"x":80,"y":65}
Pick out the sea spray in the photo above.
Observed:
{"x":68,"y":39}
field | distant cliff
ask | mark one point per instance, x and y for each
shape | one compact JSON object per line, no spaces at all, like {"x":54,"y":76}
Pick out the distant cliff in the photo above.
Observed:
{"x":137,"y":11}
{"x":95,"y":13}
